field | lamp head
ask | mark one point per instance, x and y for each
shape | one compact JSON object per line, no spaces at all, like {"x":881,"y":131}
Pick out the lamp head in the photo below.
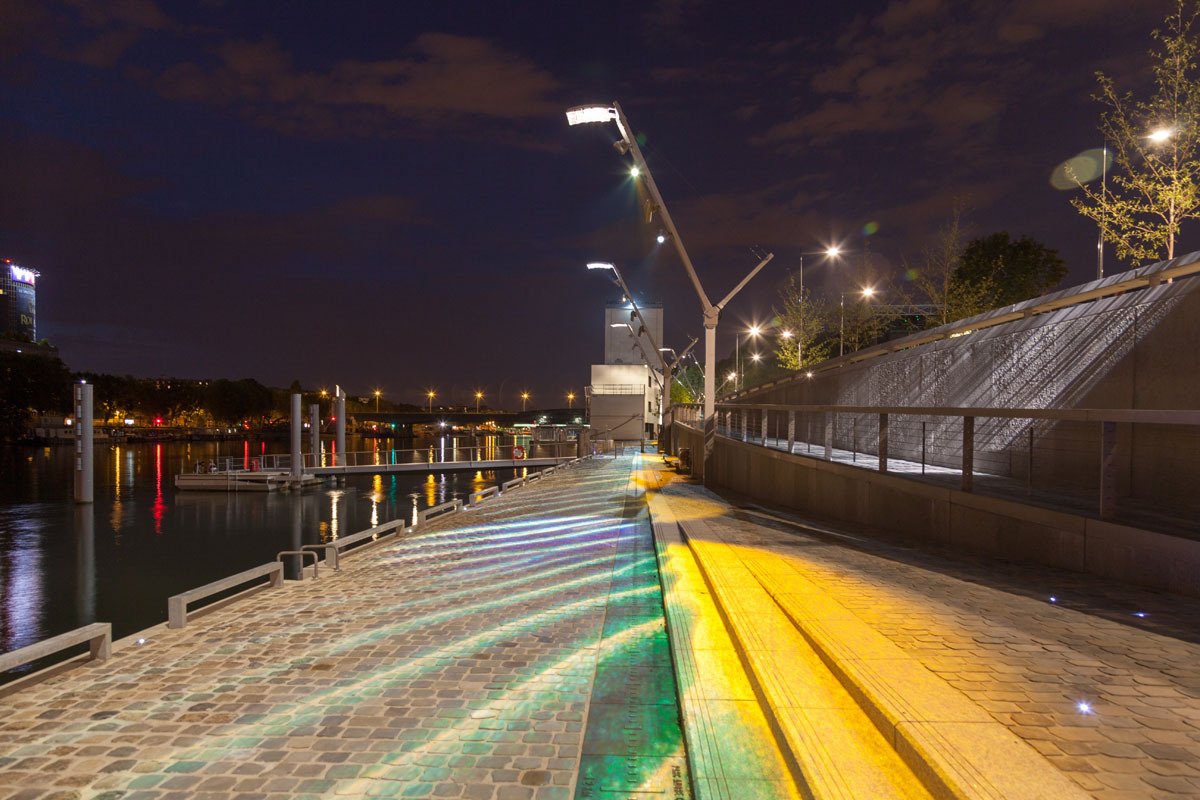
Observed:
{"x":786,"y":334}
{"x":1160,"y":135}
{"x":833,"y":251}
{"x":754,"y":330}
{"x":869,"y":291}
{"x":581,"y":115}
{"x":601,"y":265}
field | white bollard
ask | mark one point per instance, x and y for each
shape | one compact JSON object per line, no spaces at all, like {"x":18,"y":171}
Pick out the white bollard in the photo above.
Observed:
{"x":84,"y":448}
{"x":297,"y":425}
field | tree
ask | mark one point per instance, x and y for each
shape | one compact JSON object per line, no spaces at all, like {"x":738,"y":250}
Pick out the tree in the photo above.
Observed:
{"x":932,"y":282}
{"x":1156,"y":186}
{"x":998,"y":272}
{"x":808,"y":328}
{"x":30,"y":383}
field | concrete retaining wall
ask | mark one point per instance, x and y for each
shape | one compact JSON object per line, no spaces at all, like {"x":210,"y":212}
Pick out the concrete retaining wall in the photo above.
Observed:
{"x":912,"y":511}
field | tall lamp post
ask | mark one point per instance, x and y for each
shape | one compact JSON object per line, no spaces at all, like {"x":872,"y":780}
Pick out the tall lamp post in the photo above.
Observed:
{"x":570,"y":400}
{"x":524,"y":399}
{"x":737,"y":357}
{"x":712,"y":312}
{"x":430,"y":395}
{"x":866,"y":293}
{"x":376,"y":401}
{"x":831,"y":252}
{"x":478,"y":397}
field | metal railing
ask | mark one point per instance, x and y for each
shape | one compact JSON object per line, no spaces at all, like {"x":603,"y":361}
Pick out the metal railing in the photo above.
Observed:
{"x":276,"y":462}
{"x":1136,"y":465}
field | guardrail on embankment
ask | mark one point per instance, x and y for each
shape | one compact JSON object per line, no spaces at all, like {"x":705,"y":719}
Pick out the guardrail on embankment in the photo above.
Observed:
{"x":1105,"y":491}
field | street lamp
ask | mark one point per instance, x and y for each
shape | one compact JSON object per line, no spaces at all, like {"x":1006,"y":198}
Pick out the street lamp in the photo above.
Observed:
{"x":376,"y":401}
{"x":570,"y":400}
{"x":478,"y":397}
{"x":737,"y":350}
{"x":866,"y":293}
{"x":712,"y":312}
{"x":430,"y":394}
{"x":524,"y":398}
{"x":831,"y":252}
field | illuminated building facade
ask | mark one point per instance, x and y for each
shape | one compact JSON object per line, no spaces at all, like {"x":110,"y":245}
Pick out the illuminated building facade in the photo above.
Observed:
{"x":18,"y":301}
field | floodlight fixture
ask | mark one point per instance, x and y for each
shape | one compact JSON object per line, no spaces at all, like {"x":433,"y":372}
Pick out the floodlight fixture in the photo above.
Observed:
{"x":582,"y":115}
{"x":601,"y":265}
{"x":1160,"y":135}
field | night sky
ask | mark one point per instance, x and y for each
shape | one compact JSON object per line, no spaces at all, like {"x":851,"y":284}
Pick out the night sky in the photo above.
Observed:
{"x":387,"y":194}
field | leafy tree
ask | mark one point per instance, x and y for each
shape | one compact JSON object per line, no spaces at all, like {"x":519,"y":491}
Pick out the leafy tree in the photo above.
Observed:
{"x":1156,"y":187}
{"x":1000,"y":271}
{"x":808,"y":327}
{"x":31,"y":383}
{"x":933,"y":282}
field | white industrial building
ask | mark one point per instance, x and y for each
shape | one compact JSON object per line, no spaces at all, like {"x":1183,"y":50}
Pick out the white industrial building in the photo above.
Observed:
{"x":625,"y":395}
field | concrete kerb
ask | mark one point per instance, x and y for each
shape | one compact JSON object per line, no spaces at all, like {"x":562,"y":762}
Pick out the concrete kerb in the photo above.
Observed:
{"x":436,"y":511}
{"x":483,"y":494}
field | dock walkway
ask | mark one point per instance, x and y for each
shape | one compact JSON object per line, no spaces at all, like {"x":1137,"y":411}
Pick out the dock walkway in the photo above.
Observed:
{"x":515,"y":651}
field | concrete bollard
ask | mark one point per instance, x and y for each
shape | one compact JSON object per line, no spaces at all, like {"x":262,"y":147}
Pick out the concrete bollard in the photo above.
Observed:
{"x":297,"y":425}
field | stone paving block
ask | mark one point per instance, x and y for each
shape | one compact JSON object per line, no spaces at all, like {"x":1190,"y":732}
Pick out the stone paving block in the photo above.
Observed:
{"x":395,"y":677}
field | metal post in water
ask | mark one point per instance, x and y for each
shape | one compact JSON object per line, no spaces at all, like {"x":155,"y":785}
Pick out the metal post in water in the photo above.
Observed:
{"x":297,"y":426}
{"x":84,"y":450}
{"x":314,"y":432}
{"x":341,"y":425}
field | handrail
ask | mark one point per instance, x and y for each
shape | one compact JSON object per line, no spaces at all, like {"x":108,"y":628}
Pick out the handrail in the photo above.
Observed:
{"x":302,"y":554}
{"x":483,"y":494}
{"x":333,"y":549}
{"x":1141,"y":278}
{"x":433,"y":511}
{"x":177,"y":604}
{"x":98,"y":635}
{"x":1133,"y":415}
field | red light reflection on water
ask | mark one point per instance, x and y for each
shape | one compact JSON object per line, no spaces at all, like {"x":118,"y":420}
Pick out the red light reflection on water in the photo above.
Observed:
{"x":160,"y":508}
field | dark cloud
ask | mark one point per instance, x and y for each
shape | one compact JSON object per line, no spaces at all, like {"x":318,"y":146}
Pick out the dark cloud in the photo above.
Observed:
{"x":444,"y":79}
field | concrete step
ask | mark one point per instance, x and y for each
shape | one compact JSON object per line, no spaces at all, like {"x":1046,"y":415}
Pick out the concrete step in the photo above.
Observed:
{"x":732,"y":750}
{"x":835,"y":750}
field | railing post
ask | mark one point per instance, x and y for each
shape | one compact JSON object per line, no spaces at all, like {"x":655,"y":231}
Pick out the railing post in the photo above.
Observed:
{"x":883,"y":442}
{"x":744,"y":424}
{"x":829,"y":436}
{"x":791,"y":431}
{"x":968,"y":454}
{"x":764,"y":427}
{"x":922,"y":447}
{"x":1108,"y":470}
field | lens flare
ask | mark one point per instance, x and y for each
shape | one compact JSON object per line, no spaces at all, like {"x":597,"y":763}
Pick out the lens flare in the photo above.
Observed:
{"x":1083,"y":168}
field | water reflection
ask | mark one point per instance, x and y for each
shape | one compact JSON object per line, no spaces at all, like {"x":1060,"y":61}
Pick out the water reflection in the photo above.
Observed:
{"x":62,"y":565}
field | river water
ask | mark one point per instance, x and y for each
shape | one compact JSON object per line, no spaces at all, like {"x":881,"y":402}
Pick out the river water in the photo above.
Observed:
{"x":117,"y":560}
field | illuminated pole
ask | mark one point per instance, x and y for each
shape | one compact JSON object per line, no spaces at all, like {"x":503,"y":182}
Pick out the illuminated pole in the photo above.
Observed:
{"x":85,"y":453}
{"x":376,"y":401}
{"x":341,"y":425}
{"x":570,"y":400}
{"x":314,"y":432}
{"x":430,"y":393}
{"x":297,"y":424}
{"x":524,"y":399}
{"x":712,"y":313}
{"x":1103,"y":194}
{"x":478,"y":397}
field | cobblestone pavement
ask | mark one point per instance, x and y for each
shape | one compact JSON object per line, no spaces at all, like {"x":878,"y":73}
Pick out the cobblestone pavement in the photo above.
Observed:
{"x":458,"y":663}
{"x":1104,"y":680}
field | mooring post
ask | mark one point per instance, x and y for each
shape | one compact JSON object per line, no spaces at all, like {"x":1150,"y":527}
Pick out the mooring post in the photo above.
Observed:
{"x":314,"y":432}
{"x":340,"y":456}
{"x":297,"y":426}
{"x":84,"y":446}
